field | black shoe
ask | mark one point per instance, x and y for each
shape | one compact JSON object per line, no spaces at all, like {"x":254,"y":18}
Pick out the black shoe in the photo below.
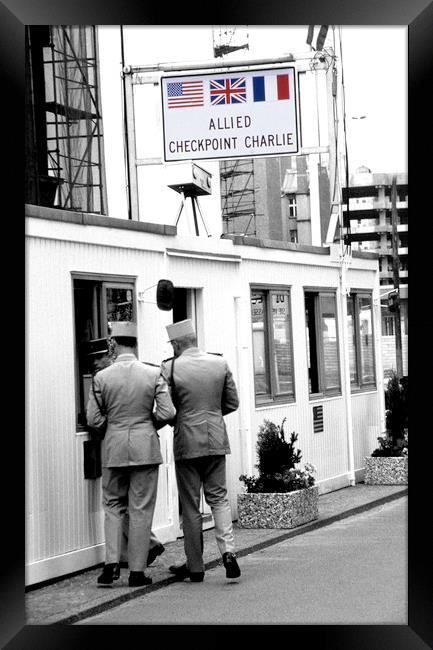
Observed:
{"x":138,"y":579}
{"x":181,"y":573}
{"x":231,"y":565}
{"x":123,"y":564}
{"x":109,"y":573}
{"x":154,"y":552}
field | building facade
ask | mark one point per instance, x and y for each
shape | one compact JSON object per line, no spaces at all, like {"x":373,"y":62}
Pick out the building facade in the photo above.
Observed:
{"x":368,"y":216}
{"x":269,"y":198}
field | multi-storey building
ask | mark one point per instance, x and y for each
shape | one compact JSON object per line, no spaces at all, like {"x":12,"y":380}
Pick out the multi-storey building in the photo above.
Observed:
{"x":368,"y":215}
{"x":270,"y":198}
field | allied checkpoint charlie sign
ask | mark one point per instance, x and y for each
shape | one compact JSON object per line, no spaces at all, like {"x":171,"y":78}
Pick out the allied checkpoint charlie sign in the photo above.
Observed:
{"x":230,"y":115}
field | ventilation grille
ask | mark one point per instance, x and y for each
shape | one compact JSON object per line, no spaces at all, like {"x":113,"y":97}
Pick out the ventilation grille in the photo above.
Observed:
{"x":317,"y":419}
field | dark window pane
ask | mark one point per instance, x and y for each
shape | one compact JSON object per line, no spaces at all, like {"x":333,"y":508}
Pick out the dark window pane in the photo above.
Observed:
{"x":119,"y":304}
{"x":310,"y":333}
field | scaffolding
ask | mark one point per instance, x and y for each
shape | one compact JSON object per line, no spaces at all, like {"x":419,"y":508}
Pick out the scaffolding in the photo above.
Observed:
{"x":73,"y":119}
{"x":238,"y":196}
{"x":227,"y":39}
{"x":236,"y":176}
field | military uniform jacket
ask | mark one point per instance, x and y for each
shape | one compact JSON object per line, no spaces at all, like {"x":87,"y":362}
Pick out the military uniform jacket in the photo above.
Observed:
{"x":127,"y":392}
{"x":203,"y":390}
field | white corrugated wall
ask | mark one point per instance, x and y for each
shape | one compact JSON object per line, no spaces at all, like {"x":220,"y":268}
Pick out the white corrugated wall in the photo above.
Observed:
{"x":63,"y":510}
{"x":329,"y":449}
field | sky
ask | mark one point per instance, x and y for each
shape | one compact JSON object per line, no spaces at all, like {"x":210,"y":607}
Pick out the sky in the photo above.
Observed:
{"x":374,"y":71}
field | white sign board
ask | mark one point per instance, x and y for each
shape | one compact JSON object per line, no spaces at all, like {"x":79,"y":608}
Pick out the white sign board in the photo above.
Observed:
{"x":230,"y":115}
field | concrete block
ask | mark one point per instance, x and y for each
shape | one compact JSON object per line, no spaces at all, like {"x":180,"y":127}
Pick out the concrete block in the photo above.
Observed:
{"x":386,"y":470}
{"x":278,"y":510}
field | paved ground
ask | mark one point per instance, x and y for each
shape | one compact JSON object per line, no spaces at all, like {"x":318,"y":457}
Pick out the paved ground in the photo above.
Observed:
{"x":77,"y":598}
{"x":345,"y":573}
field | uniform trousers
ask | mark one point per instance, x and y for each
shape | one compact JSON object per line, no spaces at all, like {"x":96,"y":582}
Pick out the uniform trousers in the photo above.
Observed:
{"x":154,"y":540}
{"x":133,"y":489}
{"x":191,"y":474}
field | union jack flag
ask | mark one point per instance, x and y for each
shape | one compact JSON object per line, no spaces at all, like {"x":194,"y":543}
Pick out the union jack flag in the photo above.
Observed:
{"x":228,"y":91}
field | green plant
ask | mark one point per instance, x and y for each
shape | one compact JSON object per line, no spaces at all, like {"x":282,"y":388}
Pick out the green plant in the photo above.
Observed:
{"x":277,"y":458}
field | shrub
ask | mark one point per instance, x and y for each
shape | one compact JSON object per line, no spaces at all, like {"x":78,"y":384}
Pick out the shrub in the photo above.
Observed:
{"x":387,"y":446}
{"x":396,"y":407}
{"x":277,"y":458}
{"x":395,"y":441}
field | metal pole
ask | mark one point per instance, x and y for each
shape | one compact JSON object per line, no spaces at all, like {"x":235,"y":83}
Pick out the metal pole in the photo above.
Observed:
{"x":195,"y":215}
{"x":396,"y":278}
{"x":125,"y":126}
{"x":346,"y":367}
{"x":202,"y":218}
{"x":180,"y":210}
{"x":200,"y":65}
{"x":244,"y":412}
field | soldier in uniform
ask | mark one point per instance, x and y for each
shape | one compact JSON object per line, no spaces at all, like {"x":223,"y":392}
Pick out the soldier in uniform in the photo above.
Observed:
{"x":99,"y":357}
{"x":203,"y":391}
{"x":124,"y":397}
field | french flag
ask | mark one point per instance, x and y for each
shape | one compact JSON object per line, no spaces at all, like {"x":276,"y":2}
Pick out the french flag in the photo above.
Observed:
{"x":271,"y":88}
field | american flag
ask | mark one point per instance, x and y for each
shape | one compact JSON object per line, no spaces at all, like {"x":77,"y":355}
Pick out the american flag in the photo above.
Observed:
{"x":228,"y":91}
{"x":184,"y":93}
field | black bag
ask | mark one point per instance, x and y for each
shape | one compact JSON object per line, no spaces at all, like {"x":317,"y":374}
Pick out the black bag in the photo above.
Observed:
{"x":92,"y":458}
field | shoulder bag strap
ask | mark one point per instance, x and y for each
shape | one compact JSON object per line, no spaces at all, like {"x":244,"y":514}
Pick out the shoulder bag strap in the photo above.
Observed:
{"x":172,"y":383}
{"x":96,"y":399}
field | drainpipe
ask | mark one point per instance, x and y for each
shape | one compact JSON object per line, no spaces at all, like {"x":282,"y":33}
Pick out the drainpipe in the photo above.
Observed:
{"x":346,"y":368}
{"x":243,"y":386}
{"x":313,"y":165}
{"x":125,"y":126}
{"x":377,"y":329}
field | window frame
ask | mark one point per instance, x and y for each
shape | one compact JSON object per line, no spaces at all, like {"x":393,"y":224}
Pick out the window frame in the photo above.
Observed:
{"x":293,"y":235}
{"x":272,"y":397}
{"x":320,"y":292}
{"x":359,"y":385}
{"x":99,"y":315}
{"x":292,"y":205}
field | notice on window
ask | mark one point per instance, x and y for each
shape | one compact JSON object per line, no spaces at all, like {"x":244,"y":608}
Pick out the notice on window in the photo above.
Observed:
{"x":230,"y":115}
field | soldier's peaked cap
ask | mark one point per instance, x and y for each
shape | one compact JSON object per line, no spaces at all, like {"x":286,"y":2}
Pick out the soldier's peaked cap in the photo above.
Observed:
{"x":124,"y":328}
{"x":182,"y":328}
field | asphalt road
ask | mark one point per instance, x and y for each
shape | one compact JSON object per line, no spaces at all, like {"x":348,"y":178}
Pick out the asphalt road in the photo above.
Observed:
{"x":351,"y":572}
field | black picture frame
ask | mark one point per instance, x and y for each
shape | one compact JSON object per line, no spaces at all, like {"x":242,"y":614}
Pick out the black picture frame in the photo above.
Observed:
{"x":418,"y":16}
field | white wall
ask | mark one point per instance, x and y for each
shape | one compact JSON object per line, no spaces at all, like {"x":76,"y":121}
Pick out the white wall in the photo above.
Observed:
{"x":63,"y":510}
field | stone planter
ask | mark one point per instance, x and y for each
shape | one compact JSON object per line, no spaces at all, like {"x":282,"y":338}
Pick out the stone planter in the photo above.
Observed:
{"x":278,"y":510}
{"x":386,"y":470}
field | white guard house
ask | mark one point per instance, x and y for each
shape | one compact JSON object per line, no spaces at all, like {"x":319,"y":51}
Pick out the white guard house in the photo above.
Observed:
{"x":298,"y":347}
{"x":299,"y":329}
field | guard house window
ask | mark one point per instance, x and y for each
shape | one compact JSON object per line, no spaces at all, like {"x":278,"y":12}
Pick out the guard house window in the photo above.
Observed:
{"x":361,"y":340}
{"x":272,"y":345}
{"x":97,"y":303}
{"x":322,"y":343}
